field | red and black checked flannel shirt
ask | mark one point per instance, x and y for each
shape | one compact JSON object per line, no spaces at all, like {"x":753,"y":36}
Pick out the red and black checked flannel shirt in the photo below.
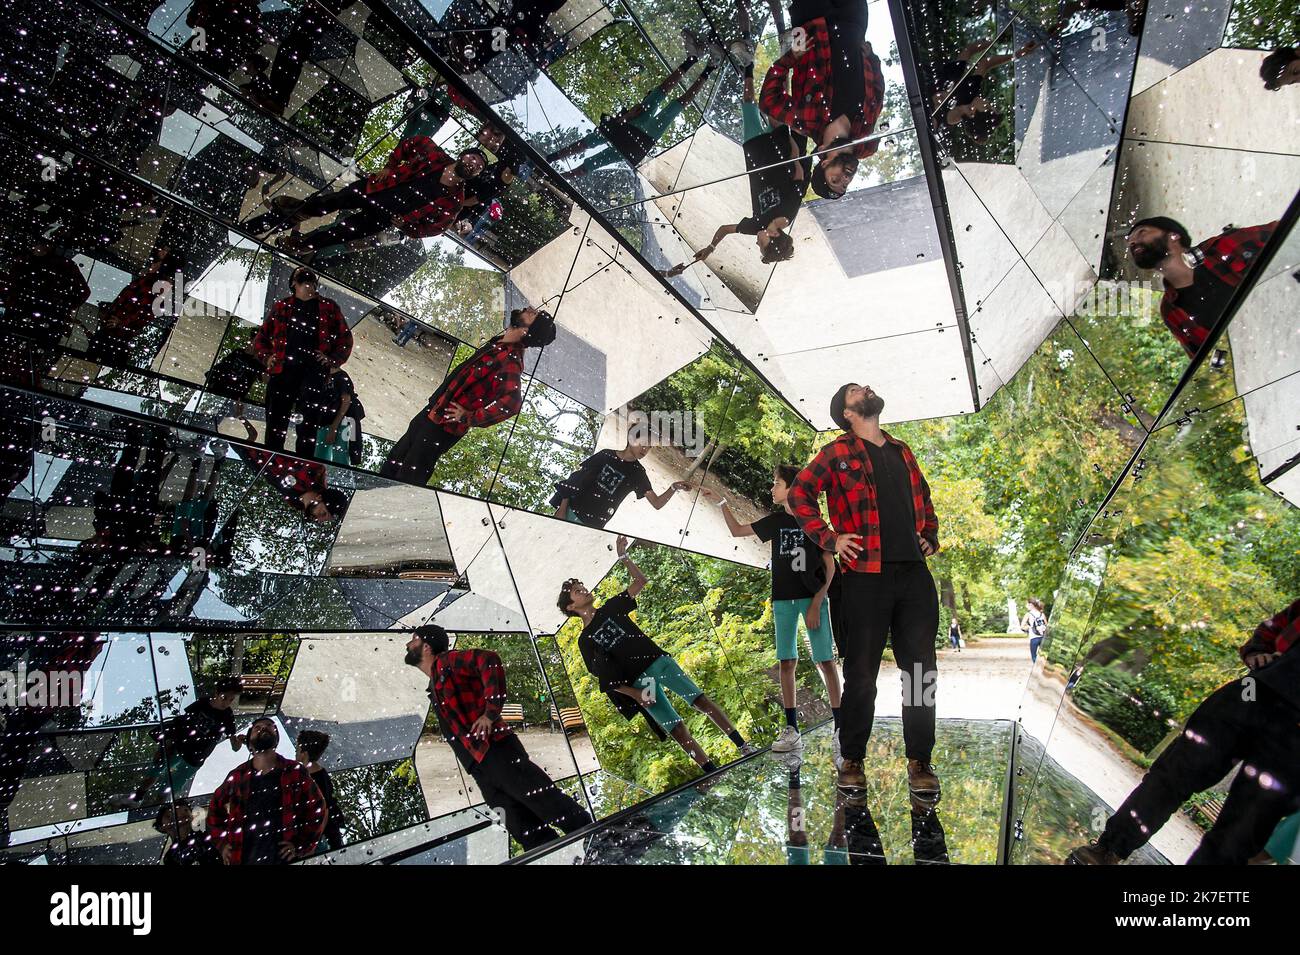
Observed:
{"x":1276,"y":634}
{"x":842,"y":471}
{"x":806,"y":108}
{"x":419,"y":157}
{"x":290,"y":476}
{"x":272,"y":339}
{"x":302,"y":808}
{"x":1226,"y":257}
{"x":468,"y":684}
{"x":132,"y":310}
{"x":487,"y":385}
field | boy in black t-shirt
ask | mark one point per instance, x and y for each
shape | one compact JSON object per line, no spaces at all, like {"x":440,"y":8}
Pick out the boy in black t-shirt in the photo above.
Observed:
{"x":801,"y":577}
{"x":189,"y":846}
{"x":311,"y":747}
{"x":591,"y":494}
{"x":775,"y":193}
{"x":632,"y":669}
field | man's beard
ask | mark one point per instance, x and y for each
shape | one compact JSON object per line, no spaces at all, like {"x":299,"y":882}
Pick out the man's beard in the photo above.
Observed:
{"x":868,"y":407}
{"x":413,"y":657}
{"x":462,"y":170}
{"x":1147,"y":255}
{"x":262,"y":742}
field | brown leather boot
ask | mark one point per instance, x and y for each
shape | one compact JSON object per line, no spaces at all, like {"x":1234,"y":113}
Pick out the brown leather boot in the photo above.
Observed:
{"x":922,"y":781}
{"x":1092,"y":854}
{"x":852,"y":782}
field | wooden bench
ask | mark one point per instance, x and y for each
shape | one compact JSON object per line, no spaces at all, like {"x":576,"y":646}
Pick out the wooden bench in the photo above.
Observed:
{"x":512,"y":713}
{"x":261,"y":684}
{"x":569,"y":718}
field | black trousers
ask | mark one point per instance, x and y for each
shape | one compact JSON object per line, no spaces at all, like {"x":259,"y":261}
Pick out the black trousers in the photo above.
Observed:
{"x":1263,"y":734}
{"x":898,"y":606}
{"x":534,"y":807}
{"x":283,"y":393}
{"x":416,"y":453}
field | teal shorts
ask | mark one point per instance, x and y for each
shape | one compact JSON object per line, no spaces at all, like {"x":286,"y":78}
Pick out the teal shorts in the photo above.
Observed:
{"x":1283,"y":845}
{"x":786,"y":614}
{"x":665,"y":674}
{"x":753,"y":122}
{"x":571,"y":517}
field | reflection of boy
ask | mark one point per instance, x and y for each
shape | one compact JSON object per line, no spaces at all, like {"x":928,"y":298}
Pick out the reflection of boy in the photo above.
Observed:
{"x":633,"y":670}
{"x":592,"y":493}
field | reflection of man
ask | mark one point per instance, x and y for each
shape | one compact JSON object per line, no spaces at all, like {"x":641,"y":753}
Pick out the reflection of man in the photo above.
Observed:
{"x":302,"y":484}
{"x":1254,"y":721}
{"x":1199,"y":280}
{"x":633,"y":670}
{"x":482,"y":391}
{"x":836,"y":89}
{"x":42,"y":292}
{"x":882,"y":527}
{"x":419,"y":192}
{"x":468,"y":689}
{"x":591,"y":494}
{"x":303,"y":336}
{"x":268,"y":811}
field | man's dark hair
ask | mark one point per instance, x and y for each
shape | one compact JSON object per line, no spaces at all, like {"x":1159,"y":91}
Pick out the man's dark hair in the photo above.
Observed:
{"x":780,"y":248}
{"x":299,"y":270}
{"x":434,"y":636}
{"x":787,"y":473}
{"x":1275,"y":64}
{"x":173,"y":261}
{"x":174,"y":809}
{"x":337,"y":501}
{"x":982,"y":125}
{"x":264,"y":719}
{"x":1164,"y":224}
{"x":541,"y":332}
{"x":313,"y":742}
{"x":564,"y":599}
{"x":225,"y":684}
{"x":819,"y":184}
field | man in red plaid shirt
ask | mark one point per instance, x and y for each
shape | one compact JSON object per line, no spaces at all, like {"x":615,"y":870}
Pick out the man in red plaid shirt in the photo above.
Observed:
{"x":302,"y":484}
{"x":882,"y":528}
{"x":1199,"y":280}
{"x":484,"y":390}
{"x":835,"y":91}
{"x":1254,"y":721}
{"x":303,"y":335}
{"x":419,"y":192}
{"x":268,"y":811}
{"x":468,"y":689}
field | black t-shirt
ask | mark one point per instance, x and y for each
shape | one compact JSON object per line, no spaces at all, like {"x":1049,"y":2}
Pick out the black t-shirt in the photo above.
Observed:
{"x":968,"y":88}
{"x":196,"y":849}
{"x":894,"y":500}
{"x":332,"y":825}
{"x":796,"y":558}
{"x":600,"y":485}
{"x":304,"y":332}
{"x":773,"y":192}
{"x":1205,"y":299}
{"x":633,"y":142}
{"x":848,"y":88}
{"x":462,"y":754}
{"x":197,"y":731}
{"x":262,"y":822}
{"x":613,"y":647}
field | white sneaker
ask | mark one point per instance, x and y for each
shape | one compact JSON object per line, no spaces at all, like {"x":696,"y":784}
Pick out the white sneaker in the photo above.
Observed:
{"x":835,"y":751}
{"x":789,"y":740}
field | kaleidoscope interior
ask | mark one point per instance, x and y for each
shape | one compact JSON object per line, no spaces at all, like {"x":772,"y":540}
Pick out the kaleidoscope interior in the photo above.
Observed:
{"x":327,"y":323}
